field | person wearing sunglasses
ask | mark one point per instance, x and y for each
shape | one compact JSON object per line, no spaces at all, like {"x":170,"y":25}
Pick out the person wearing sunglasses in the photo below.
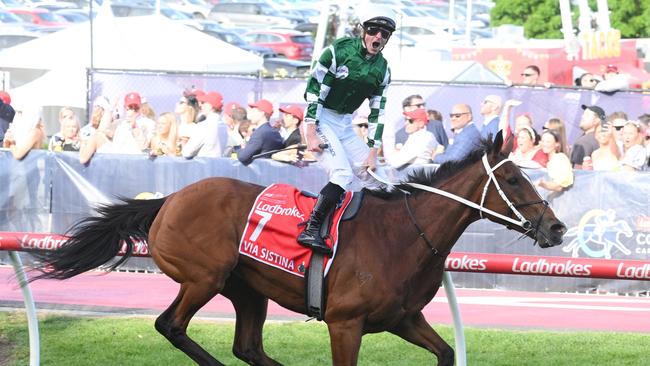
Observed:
{"x":349,"y":71}
{"x":466,"y":136}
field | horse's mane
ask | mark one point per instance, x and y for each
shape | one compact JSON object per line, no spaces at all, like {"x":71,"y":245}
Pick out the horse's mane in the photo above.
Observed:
{"x":431,"y":177}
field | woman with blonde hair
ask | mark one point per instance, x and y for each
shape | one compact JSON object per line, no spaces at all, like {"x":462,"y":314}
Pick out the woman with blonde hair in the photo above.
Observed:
{"x":556,"y":124}
{"x":165,"y":140}
{"x":559,"y":168}
{"x":187,"y":109}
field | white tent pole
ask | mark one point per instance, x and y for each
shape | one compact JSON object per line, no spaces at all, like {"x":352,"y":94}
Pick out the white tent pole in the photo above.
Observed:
{"x":468,"y":24}
{"x":321,"y":32}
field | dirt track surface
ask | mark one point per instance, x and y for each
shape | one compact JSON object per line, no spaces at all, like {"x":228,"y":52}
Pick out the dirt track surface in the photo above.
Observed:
{"x":149,"y":294}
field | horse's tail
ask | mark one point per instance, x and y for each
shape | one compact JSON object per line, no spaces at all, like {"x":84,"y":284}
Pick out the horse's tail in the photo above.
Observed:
{"x":95,"y":241}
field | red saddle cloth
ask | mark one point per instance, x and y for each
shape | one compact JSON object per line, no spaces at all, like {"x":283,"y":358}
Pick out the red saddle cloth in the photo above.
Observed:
{"x":272,"y":228}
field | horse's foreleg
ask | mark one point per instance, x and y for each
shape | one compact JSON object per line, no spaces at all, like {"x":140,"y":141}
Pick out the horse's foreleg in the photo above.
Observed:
{"x":250,"y":308}
{"x":173,"y":322}
{"x":416,"y":330}
{"x":345,"y":339}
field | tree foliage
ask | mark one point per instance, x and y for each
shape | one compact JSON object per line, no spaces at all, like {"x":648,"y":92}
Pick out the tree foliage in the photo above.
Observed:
{"x":541,"y":19}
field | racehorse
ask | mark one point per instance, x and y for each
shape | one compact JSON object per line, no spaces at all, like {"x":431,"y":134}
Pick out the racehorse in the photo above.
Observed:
{"x":388,"y":266}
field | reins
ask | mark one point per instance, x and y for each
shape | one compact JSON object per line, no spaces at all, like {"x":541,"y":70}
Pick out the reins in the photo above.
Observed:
{"x":523,"y":223}
{"x":434,"y":251}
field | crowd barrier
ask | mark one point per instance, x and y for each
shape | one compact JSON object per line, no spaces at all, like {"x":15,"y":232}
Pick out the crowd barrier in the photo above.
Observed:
{"x":456,"y":262}
{"x":608,"y":214}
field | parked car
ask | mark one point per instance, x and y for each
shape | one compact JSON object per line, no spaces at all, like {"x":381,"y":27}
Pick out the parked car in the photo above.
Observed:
{"x":251,"y":14}
{"x":199,"y":9}
{"x":10,"y":19}
{"x":275,"y":67}
{"x":288,"y":43}
{"x":236,"y":40}
{"x":73,"y":15}
{"x":39,"y":16}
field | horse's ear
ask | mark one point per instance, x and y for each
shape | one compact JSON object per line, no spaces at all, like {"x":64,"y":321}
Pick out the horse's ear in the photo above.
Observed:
{"x":501,"y":149}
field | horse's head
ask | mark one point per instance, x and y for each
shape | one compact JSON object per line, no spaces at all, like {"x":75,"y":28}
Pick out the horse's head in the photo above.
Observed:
{"x":518,"y":205}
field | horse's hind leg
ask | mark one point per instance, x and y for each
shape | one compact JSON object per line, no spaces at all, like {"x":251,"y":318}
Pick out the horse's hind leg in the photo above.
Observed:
{"x":173,"y":322}
{"x":416,"y":330}
{"x":250,"y":308}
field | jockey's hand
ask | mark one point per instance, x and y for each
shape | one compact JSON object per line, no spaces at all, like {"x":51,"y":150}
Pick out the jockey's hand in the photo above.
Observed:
{"x":371,"y":161}
{"x":313,"y":141}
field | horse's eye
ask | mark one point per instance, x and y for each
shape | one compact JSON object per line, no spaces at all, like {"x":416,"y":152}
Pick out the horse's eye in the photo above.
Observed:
{"x":512,"y":181}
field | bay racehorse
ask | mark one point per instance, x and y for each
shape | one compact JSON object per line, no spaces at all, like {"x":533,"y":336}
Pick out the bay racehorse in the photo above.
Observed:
{"x":388,"y":266}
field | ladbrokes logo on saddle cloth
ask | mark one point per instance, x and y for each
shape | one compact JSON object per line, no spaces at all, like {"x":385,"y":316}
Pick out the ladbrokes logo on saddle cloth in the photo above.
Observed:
{"x":272,"y":228}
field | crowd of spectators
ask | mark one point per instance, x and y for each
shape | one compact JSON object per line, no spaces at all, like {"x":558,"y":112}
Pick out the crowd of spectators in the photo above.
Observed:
{"x":204,"y":125}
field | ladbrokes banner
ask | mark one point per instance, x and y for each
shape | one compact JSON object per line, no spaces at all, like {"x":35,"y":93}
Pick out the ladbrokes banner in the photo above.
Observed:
{"x":608,"y":214}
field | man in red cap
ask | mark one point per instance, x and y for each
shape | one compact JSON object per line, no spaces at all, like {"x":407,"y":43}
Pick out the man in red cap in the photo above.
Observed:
{"x":291,"y":120}
{"x":210,"y":137}
{"x":134,"y":133}
{"x":265,"y":138}
{"x":7,"y":113}
{"x":420,"y":144}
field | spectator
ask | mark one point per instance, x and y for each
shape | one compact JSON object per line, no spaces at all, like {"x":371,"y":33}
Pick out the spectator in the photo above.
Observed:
{"x":291,"y":121}
{"x":587,"y":81}
{"x":530,"y":75}
{"x":420,"y":145}
{"x":165,"y":141}
{"x":613,"y":80}
{"x":259,"y":112}
{"x":146,"y":110}
{"x":438,"y":129}
{"x":467,"y":137}
{"x":292,"y":118}
{"x":523,"y":120}
{"x":528,"y":155}
{"x":490,"y":110}
{"x":133,"y":134}
{"x":618,"y":120}
{"x":24,"y":134}
{"x":411,"y":103}
{"x":605,"y":158}
{"x":68,"y":125}
{"x":187,"y":109}
{"x":246,"y":129}
{"x":7,"y":113}
{"x":233,"y":114}
{"x":634,"y":153}
{"x":210,"y":137}
{"x":557,"y":125}
{"x":68,"y":138}
{"x":592,"y":116}
{"x":265,"y":138}
{"x":101,"y":111}
{"x":100,"y":142}
{"x":559,"y":167}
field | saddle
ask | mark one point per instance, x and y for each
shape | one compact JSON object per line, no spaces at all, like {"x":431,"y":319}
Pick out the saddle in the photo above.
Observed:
{"x":315,"y":284}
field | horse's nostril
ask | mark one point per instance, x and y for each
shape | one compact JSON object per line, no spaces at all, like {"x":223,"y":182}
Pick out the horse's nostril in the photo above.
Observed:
{"x":559,"y":228}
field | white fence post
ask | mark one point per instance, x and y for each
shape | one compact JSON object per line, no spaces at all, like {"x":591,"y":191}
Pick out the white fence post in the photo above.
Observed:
{"x":30,"y":308}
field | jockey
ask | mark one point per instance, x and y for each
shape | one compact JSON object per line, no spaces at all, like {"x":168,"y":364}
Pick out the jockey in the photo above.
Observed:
{"x":348,"y":72}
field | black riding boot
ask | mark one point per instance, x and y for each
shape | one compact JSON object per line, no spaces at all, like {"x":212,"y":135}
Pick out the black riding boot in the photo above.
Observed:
{"x":311,"y":237}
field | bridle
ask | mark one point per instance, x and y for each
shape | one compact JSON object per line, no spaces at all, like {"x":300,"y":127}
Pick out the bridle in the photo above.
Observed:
{"x":522,"y":222}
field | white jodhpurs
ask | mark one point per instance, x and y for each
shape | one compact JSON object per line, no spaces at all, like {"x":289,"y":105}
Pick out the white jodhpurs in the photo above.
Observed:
{"x":346,"y":152}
